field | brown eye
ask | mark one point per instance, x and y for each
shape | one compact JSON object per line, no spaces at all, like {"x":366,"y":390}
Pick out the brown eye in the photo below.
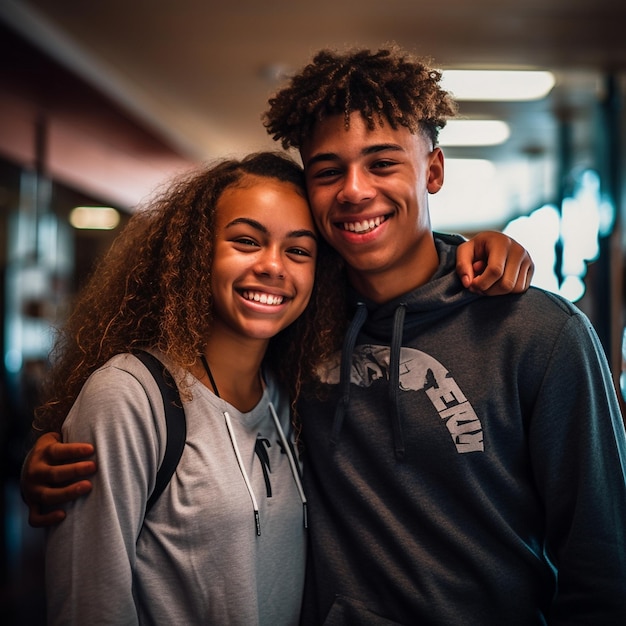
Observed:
{"x":246,"y":241}
{"x":299,"y":252}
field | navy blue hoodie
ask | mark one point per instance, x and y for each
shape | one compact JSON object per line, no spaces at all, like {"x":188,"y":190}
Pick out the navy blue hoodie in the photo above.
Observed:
{"x":465,"y":464}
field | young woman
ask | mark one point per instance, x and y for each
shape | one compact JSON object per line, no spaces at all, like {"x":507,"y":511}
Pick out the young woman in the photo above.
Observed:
{"x":211,"y":279}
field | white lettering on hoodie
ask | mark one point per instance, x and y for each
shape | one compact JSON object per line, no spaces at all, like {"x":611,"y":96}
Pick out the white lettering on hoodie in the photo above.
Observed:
{"x":418,"y":372}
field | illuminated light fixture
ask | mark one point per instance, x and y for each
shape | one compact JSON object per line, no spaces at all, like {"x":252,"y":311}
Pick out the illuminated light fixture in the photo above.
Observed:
{"x":94,"y":218}
{"x":497,"y":85}
{"x":474,"y":133}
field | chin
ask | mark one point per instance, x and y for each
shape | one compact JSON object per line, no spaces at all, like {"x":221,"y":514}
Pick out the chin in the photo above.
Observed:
{"x":264,"y":333}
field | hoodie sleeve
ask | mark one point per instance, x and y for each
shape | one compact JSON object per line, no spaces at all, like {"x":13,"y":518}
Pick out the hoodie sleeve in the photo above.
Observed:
{"x":90,"y":556}
{"x":578,"y":451}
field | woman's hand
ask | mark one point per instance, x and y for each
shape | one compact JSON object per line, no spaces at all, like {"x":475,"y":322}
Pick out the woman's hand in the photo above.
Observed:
{"x":493,"y":264}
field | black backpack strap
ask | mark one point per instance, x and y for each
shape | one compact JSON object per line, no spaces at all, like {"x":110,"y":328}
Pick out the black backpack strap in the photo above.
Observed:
{"x":174,"y":420}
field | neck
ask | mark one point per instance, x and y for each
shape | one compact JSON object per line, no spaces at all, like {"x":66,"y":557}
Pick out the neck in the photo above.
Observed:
{"x":236,"y":370}
{"x":383,"y":285}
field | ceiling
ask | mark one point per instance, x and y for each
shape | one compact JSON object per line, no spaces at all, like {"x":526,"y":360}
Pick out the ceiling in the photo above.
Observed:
{"x":199,"y":72}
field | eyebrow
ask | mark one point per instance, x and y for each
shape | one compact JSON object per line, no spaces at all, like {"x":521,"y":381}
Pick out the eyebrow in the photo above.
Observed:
{"x":303,"y":232}
{"x":332,"y":156}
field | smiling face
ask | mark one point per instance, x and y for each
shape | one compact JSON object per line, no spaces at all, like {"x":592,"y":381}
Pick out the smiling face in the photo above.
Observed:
{"x":264,"y":258}
{"x":368,"y":191}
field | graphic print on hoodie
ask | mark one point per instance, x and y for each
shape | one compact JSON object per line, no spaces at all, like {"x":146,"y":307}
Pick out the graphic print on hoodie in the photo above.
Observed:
{"x":418,"y":372}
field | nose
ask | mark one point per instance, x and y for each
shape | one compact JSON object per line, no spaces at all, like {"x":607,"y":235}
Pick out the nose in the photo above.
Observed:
{"x":356,"y":187}
{"x":271,"y":263}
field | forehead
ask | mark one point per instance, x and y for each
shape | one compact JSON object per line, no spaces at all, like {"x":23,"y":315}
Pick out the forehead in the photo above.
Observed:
{"x":267,"y":200}
{"x":331,"y":137}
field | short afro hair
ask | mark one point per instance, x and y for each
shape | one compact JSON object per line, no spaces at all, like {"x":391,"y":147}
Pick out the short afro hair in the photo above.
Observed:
{"x":386,"y":85}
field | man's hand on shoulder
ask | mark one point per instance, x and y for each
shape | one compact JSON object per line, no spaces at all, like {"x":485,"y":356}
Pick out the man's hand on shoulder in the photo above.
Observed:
{"x":52,"y":475}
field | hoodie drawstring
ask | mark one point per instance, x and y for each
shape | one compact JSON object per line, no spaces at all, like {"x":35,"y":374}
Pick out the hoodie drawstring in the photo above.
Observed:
{"x":394,"y":381}
{"x":292,"y":464}
{"x":295,"y":470}
{"x":233,"y":440}
{"x":352,"y":333}
{"x":346,"y":365}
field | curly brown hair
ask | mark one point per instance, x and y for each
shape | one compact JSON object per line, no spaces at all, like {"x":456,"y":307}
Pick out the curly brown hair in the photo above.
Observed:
{"x":153,"y":289}
{"x":386,"y":85}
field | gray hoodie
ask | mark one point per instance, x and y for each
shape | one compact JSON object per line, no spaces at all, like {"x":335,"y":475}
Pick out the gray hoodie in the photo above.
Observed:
{"x":197,"y":557}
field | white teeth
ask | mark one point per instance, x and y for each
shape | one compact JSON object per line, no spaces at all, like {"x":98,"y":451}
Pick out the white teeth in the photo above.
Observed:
{"x":263,"y":298}
{"x":363,"y":226}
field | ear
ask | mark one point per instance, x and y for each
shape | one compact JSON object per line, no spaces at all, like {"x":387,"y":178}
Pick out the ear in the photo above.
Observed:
{"x":435,"y":171}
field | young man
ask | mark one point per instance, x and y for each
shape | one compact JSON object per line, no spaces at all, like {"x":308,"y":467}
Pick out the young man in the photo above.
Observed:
{"x":464,"y":452}
{"x":466,"y":455}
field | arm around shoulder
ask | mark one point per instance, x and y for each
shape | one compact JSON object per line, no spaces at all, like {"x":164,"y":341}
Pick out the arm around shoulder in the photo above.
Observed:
{"x":494,"y":264}
{"x":48,"y":468}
